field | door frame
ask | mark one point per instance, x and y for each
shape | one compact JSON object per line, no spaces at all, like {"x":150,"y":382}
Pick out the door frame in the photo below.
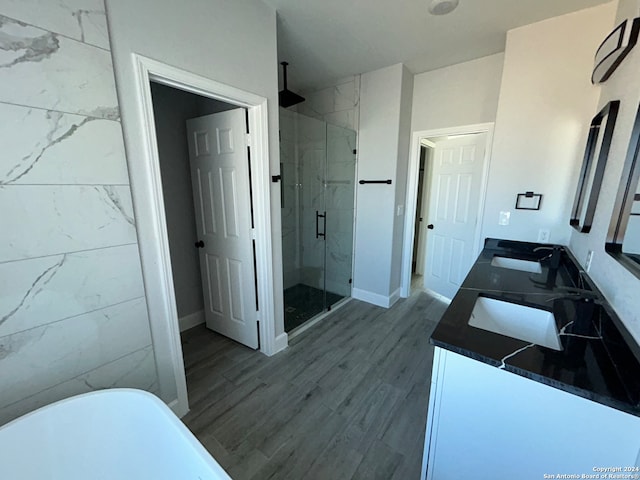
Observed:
{"x":412,"y":191}
{"x":146,"y":187}
{"x":426,"y":181}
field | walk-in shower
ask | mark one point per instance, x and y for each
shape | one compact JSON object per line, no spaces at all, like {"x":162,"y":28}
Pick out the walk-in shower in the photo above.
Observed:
{"x":318,"y":163}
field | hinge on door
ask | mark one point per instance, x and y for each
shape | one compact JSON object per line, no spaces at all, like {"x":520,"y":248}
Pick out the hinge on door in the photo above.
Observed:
{"x":253,"y":234}
{"x":248,"y":139}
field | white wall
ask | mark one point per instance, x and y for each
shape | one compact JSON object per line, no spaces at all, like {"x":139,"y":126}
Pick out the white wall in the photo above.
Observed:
{"x":383,"y":108}
{"x":73,"y":316}
{"x":402,"y":169}
{"x":546,"y":102}
{"x":230,"y":42}
{"x":462,"y":94}
{"x":619,"y":286}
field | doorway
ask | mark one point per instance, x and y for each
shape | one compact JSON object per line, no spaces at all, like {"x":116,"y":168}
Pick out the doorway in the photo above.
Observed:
{"x":422,"y":210}
{"x":146,"y":187}
{"x":205,"y":181}
{"x":443,"y":237}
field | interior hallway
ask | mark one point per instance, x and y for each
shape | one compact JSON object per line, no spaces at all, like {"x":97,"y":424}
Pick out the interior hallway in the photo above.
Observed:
{"x":347,"y":399}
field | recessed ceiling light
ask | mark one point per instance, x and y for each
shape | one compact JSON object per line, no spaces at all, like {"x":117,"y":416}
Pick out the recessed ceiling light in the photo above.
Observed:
{"x":442,"y":7}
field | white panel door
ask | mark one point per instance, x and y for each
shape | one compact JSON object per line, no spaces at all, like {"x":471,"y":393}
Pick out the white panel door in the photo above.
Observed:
{"x":453,"y":212}
{"x":221,"y":195}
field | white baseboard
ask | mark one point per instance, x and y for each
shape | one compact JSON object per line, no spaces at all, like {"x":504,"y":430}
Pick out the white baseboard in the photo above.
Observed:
{"x":191,"y":320}
{"x":394,"y":297}
{"x":281,"y":342}
{"x":374,"y":298}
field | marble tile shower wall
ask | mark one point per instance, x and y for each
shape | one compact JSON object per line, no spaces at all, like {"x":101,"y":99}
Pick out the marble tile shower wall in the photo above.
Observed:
{"x":340,"y":207}
{"x":327,"y":174}
{"x":290,"y":204}
{"x":338,"y":105}
{"x":312,"y":152}
{"x":73,"y":315}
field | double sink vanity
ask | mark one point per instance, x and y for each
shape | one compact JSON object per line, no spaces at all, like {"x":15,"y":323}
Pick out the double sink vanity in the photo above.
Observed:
{"x":534,"y":374}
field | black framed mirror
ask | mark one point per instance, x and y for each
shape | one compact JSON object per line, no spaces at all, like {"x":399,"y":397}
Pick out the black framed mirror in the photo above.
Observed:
{"x":593,"y":166}
{"x":614,"y":49}
{"x":623,"y":239}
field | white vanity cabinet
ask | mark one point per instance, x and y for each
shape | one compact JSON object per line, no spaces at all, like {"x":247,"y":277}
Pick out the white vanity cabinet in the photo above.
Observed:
{"x":487,"y":423}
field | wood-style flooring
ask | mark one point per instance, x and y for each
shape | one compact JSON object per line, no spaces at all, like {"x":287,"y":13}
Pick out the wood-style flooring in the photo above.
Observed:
{"x":347,"y":400}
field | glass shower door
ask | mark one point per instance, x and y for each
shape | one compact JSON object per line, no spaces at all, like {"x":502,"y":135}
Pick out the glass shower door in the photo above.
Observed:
{"x":339,"y":202}
{"x":318,"y":188}
{"x":305,"y":279}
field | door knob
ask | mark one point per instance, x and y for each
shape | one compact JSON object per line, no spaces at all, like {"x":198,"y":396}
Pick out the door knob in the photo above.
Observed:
{"x":430,"y":226}
{"x":200,"y":244}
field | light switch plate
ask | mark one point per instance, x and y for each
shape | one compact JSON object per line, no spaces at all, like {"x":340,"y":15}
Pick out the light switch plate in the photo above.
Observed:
{"x":504,"y":218}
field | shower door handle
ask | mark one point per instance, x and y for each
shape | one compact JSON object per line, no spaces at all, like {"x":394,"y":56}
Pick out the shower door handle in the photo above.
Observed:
{"x":324,"y":226}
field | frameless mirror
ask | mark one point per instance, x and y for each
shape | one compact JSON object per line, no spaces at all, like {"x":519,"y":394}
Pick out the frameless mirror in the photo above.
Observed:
{"x":593,"y":166}
{"x":623,"y":239}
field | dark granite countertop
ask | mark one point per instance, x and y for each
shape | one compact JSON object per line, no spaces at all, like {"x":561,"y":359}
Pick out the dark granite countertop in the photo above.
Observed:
{"x":599,"y":359}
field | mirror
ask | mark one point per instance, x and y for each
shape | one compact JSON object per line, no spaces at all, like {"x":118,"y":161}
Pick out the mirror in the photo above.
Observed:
{"x":623,"y":239}
{"x":614,"y":49}
{"x":593,"y":165}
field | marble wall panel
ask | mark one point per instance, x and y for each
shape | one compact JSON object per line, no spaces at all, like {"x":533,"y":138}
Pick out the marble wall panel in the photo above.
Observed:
{"x":345,"y":95}
{"x":134,"y":370}
{"x":338,"y":104}
{"x":49,"y":147}
{"x":83,"y":20}
{"x":287,"y":126}
{"x":340,"y":220}
{"x":47,"y":289}
{"x":340,"y":196}
{"x":321,"y":101}
{"x":345,"y":118}
{"x":290,"y":206}
{"x":37,"y":359}
{"x":72,"y":311}
{"x":48,"y":220}
{"x":340,"y":144}
{"x":42,"y":69}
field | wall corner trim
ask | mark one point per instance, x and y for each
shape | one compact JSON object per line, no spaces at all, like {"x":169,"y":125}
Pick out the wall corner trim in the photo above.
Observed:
{"x":394,"y":297}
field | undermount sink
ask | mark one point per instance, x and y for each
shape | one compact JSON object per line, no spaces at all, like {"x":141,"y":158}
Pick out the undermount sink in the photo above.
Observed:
{"x":516,"y":264}
{"x":532,"y":325}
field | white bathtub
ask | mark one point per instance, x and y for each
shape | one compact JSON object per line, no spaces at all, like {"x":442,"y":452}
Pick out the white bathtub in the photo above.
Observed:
{"x":106,"y":435}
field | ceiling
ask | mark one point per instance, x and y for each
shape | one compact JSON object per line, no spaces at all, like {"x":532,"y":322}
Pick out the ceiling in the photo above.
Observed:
{"x":325,"y":40}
